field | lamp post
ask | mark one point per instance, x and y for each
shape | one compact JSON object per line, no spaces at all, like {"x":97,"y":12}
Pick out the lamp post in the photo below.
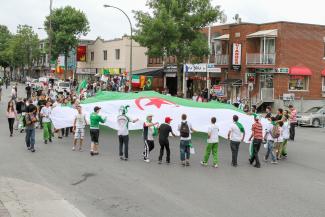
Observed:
{"x":131,"y":43}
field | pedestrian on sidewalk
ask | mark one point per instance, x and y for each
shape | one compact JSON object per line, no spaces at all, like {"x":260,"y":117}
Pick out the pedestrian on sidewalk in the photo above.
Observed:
{"x":30,"y":120}
{"x":271,"y":133}
{"x":11,"y":115}
{"x":28,"y":90}
{"x":45,"y":114}
{"x":95,"y":120}
{"x":79,"y":125}
{"x":257,"y":135}
{"x":212,"y":144}
{"x":164,"y":130}
{"x":185,"y":128}
{"x":123,"y":122}
{"x":149,"y":129}
{"x":236,"y":135}
{"x":293,"y":122}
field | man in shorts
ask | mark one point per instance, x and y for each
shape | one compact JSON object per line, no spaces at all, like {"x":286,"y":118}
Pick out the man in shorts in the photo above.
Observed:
{"x":95,"y":120}
{"x":79,"y":128}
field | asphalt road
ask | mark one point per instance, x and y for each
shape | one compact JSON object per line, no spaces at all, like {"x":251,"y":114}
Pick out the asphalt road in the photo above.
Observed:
{"x":104,"y":186}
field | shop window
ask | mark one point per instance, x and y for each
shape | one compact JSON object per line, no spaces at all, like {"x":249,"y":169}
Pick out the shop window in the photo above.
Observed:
{"x":297,"y":82}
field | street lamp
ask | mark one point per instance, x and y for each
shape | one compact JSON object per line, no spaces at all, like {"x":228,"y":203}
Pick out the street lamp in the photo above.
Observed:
{"x":50,"y":37}
{"x":131,"y":44}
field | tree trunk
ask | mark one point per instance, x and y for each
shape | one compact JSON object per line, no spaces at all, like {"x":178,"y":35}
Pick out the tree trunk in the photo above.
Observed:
{"x":179,"y":80}
{"x":65,"y":65}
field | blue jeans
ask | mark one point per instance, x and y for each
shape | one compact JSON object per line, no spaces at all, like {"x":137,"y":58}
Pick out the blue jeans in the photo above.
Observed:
{"x":30,"y":138}
{"x":185,"y":150}
{"x":270,"y":150}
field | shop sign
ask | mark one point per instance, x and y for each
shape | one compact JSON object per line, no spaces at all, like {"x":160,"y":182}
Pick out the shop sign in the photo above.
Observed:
{"x":236,"y":56}
{"x":170,"y":69}
{"x":86,"y":71}
{"x":212,"y":68}
{"x":81,"y":53}
{"x":282,"y":70}
{"x":218,"y":90}
{"x":195,"y":68}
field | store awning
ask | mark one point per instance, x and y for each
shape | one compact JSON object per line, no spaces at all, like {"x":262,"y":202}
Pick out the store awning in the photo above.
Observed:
{"x":233,"y":82}
{"x":272,"y":33}
{"x":223,"y":37}
{"x":323,"y":72}
{"x":300,"y":70}
{"x":149,"y":72}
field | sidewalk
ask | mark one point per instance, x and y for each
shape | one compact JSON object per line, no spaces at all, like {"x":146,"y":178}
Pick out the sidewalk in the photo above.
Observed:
{"x":23,"y":199}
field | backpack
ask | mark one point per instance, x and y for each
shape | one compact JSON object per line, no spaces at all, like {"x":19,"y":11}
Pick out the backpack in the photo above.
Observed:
{"x":275,"y":133}
{"x":184,"y":130}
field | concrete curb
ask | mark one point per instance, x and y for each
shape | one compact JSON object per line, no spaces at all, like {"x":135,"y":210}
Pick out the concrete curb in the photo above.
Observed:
{"x":25,"y":199}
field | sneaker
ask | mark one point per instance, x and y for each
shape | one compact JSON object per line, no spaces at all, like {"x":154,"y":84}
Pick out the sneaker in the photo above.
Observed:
{"x":147,"y":160}
{"x":92,"y":153}
{"x":215,"y":166}
{"x":257,"y":166}
{"x":126,"y":159}
{"x":122,"y":158}
{"x":204,"y":164}
{"x":250,"y":161}
{"x":187,"y":164}
{"x":32,"y":150}
{"x":274,"y":162}
{"x":50,"y":140}
{"x":265,"y":159}
{"x":183,"y":164}
{"x":73,"y":148}
{"x":45,"y":142}
{"x":80,"y":149}
{"x":159,"y":162}
{"x":60,"y":137}
{"x":28,"y":148}
{"x":167,"y":162}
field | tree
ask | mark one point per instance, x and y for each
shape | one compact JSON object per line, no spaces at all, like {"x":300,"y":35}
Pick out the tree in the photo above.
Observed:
{"x":23,"y":48}
{"x":68,"y":24}
{"x":5,"y":36}
{"x":173,"y":29}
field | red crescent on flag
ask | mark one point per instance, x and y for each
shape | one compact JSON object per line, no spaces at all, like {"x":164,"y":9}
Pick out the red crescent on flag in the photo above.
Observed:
{"x":155,"y":101}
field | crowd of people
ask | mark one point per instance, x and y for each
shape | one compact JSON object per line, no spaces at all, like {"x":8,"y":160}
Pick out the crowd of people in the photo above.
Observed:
{"x":34,"y":111}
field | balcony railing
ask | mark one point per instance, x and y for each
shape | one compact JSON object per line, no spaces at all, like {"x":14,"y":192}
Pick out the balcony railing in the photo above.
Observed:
{"x":260,"y":59}
{"x":222,"y":59}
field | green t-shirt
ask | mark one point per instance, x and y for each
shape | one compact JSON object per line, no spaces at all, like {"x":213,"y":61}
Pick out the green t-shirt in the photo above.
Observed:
{"x":95,"y":120}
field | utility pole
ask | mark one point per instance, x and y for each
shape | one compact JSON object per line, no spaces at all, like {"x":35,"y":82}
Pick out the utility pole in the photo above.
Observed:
{"x":50,"y":37}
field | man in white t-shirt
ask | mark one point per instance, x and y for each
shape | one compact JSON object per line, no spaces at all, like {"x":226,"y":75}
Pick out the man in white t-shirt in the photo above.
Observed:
{"x":185,"y":129}
{"x":79,"y":128}
{"x":47,"y":125}
{"x":212,"y":146}
{"x":123,"y":132}
{"x":236,"y":135}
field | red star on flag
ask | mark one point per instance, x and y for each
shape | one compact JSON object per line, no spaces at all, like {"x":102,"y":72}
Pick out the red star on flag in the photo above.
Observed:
{"x":158,"y":102}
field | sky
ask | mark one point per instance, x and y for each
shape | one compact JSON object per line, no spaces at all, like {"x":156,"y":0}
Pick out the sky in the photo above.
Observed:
{"x":109,"y":23}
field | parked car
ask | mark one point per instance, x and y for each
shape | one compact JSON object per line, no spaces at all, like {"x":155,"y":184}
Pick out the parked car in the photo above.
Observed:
{"x":312,"y":117}
{"x":62,"y":86}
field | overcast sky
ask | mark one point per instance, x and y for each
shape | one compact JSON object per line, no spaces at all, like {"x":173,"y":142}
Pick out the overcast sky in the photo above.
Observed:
{"x":109,"y":23}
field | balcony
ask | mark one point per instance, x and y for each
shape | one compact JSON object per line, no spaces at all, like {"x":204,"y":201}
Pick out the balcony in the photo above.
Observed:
{"x":222,"y":59}
{"x":260,"y":59}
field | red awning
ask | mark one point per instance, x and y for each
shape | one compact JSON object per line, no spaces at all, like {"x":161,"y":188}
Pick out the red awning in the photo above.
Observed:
{"x":323,"y":72}
{"x":300,"y":70}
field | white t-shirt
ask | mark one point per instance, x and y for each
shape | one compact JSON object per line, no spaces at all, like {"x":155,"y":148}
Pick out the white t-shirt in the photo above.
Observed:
{"x":235,"y":134}
{"x":122,"y":123}
{"x":214,"y":133}
{"x":268,"y":129}
{"x":285,"y":129}
{"x":80,"y":121}
{"x":190,"y":127}
{"x":46,"y":112}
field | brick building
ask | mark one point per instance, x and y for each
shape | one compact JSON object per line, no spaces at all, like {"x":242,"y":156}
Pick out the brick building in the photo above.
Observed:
{"x":277,"y":63}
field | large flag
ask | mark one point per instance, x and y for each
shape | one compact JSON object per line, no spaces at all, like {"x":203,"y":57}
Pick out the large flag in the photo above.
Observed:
{"x":149,"y":102}
{"x":82,"y":85}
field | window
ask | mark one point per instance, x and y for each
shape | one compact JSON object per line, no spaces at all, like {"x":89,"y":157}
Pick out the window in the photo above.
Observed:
{"x":323,"y":84}
{"x":117,"y":54}
{"x":298,"y":82}
{"x":92,"y":56}
{"x":105,"y":54}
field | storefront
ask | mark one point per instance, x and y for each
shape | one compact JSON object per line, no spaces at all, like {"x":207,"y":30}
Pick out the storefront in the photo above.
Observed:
{"x":170,"y":79}
{"x":86,"y":74}
{"x":299,"y":78}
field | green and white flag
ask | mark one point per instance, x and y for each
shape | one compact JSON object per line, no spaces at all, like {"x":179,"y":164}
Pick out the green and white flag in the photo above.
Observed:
{"x":161,"y":106}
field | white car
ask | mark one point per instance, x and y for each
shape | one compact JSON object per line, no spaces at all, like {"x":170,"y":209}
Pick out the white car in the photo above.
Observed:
{"x":63,"y":86}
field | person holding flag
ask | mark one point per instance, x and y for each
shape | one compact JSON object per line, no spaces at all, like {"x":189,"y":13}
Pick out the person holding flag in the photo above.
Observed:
{"x":95,"y":120}
{"x":123,"y":132}
{"x":257,"y":135}
{"x":149,"y":131}
{"x":236,"y":135}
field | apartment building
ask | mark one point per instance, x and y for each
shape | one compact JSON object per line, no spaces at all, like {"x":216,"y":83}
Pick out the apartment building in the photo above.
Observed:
{"x":110,"y":57}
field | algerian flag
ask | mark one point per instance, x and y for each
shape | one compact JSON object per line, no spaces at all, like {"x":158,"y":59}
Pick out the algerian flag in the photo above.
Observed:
{"x":82,"y":85}
{"x":149,"y":102}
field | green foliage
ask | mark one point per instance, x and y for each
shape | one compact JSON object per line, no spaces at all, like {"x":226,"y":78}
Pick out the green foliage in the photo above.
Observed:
{"x":5,"y":36}
{"x":173,"y":29}
{"x":23,"y":48}
{"x":68,"y":24}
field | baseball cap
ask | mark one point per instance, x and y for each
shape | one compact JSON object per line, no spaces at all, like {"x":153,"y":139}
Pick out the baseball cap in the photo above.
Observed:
{"x":97,"y":108}
{"x":168,"y":120}
{"x":149,"y":115}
